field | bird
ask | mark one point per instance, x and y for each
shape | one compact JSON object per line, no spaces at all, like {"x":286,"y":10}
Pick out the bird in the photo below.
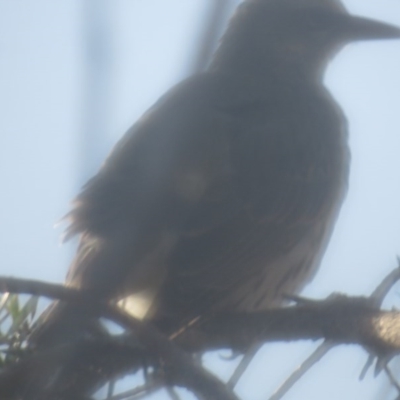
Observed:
{"x":223,"y":196}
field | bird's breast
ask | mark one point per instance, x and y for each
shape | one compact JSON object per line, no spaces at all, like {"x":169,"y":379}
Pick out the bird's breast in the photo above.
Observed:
{"x":293,"y":173}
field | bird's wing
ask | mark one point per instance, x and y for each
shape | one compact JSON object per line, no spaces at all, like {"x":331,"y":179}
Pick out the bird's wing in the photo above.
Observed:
{"x":175,"y":158}
{"x":172,"y":172}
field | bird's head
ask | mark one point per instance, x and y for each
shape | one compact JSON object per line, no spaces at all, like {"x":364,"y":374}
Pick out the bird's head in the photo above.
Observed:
{"x":302,"y":34}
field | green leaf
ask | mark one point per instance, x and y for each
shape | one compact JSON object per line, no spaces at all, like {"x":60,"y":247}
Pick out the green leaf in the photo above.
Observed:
{"x":3,"y":301}
{"x":30,"y":306}
{"x":12,"y":305}
{"x":22,"y":314}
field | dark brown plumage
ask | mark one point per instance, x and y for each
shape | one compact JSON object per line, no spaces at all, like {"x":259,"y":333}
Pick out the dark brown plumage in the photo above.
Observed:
{"x":224,"y":194}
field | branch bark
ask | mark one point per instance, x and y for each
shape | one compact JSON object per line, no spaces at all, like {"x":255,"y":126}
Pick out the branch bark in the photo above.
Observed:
{"x":339,"y":319}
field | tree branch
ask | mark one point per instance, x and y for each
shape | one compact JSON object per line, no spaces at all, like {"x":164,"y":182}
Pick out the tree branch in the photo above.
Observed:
{"x":180,"y":367}
{"x":342,"y":319}
{"x":339,"y":319}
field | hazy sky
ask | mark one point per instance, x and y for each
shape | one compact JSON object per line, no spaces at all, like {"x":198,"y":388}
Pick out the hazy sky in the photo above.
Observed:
{"x":44,"y":108}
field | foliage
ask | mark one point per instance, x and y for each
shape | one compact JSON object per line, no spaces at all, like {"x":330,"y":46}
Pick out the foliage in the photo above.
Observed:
{"x":17,"y":314}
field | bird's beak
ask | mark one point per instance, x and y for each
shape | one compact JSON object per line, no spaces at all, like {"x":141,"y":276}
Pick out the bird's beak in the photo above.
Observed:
{"x":360,"y":28}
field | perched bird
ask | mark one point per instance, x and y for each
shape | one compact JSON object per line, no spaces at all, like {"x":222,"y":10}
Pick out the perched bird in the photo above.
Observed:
{"x":223,"y":196}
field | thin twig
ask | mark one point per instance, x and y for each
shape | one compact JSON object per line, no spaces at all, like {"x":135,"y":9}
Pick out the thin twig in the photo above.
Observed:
{"x":243,"y":365}
{"x":172,"y":393}
{"x":303,"y":369}
{"x":367,"y":366}
{"x":147,"y":388}
{"x":110,"y":389}
{"x":392,"y":378}
{"x":379,"y":294}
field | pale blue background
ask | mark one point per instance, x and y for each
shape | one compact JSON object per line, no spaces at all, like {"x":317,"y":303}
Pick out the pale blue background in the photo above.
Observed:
{"x":49,"y":97}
